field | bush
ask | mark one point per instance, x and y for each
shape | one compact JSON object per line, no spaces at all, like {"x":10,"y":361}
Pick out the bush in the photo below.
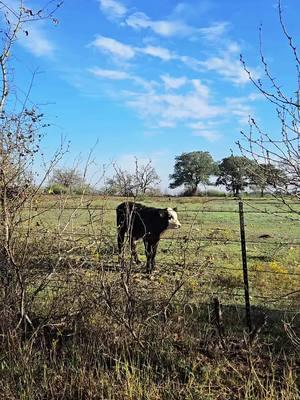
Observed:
{"x":212,"y":193}
{"x":56,"y":189}
{"x":83,"y":189}
{"x":204,"y":193}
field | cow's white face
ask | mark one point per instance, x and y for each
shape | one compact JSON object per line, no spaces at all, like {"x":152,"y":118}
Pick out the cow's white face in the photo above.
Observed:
{"x":173,"y":219}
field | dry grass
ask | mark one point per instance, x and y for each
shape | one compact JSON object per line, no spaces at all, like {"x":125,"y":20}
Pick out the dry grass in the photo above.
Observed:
{"x":95,"y":332}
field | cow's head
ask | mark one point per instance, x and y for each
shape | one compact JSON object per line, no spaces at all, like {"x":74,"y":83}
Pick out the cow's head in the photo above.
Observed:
{"x":173,"y":222}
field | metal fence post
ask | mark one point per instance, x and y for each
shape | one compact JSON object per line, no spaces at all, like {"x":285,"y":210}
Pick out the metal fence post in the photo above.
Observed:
{"x":245,"y":270}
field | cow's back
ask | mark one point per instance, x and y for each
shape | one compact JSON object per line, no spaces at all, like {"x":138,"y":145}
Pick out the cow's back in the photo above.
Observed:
{"x":138,"y":219}
{"x":130,"y":217}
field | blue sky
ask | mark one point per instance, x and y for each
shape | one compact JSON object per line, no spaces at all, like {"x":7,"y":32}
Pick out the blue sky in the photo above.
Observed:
{"x":152,"y":79}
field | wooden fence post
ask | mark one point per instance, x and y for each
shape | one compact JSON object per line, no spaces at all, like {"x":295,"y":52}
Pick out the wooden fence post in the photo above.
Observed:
{"x":245,"y":269}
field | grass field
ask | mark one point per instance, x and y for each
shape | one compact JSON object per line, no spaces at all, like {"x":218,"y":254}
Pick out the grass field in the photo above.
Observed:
{"x":207,"y":246}
{"x":102,"y":333}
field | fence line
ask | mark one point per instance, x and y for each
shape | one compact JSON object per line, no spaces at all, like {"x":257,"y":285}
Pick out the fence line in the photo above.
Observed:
{"x":168,"y":198}
{"x":115,"y":265}
{"x":182,"y":211}
{"x":68,"y":235}
{"x":264,"y":241}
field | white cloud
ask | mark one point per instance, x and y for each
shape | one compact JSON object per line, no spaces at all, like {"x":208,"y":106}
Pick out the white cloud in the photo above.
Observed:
{"x":173,"y":83}
{"x":210,"y":135}
{"x":178,"y":101}
{"x":126,"y":52}
{"x":167,"y":28}
{"x":175,"y":26}
{"x":206,"y":129}
{"x":160,"y":52}
{"x":233,"y":47}
{"x":226,"y":63}
{"x":174,"y":108}
{"x":113,"y":8}
{"x":230,"y":68}
{"x":109,"y":73}
{"x":195,"y":109}
{"x":240,"y":107}
{"x":117,"y":75}
{"x":192,"y":10}
{"x":33,"y":38}
{"x":114,"y":47}
{"x":166,"y":124}
{"x":36,"y":42}
{"x":214,"y":31}
{"x":202,"y":89}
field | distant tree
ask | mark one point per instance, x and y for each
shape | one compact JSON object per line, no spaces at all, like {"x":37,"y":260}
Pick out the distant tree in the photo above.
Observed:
{"x":267,"y":175}
{"x":191,"y":169}
{"x":234,"y":173}
{"x":121,"y":184}
{"x":68,"y":179}
{"x":141,"y":181}
{"x":145,"y":177}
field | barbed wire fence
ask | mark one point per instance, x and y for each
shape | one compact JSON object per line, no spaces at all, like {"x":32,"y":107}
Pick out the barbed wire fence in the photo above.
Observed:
{"x":90,"y":252}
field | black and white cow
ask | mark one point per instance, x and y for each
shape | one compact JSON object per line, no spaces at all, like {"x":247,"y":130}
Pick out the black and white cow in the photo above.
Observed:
{"x":147,"y":223}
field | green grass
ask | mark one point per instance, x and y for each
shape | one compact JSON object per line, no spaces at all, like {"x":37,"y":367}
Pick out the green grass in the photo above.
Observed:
{"x":207,"y":242}
{"x":100,"y":333}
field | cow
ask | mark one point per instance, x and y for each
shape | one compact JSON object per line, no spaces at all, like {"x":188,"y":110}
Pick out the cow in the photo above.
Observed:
{"x":147,"y":223}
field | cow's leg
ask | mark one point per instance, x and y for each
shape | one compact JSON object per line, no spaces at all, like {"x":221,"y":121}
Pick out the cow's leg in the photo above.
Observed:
{"x":150,"y":248}
{"x":121,"y":237}
{"x":133,"y":251}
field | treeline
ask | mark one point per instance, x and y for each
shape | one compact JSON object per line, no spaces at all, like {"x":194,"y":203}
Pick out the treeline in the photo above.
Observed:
{"x":233,"y":174}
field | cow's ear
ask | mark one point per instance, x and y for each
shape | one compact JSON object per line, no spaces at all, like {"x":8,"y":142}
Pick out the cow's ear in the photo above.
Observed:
{"x":175,"y":209}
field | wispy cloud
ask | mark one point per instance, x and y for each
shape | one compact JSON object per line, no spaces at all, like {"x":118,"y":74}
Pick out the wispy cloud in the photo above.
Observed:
{"x":175,"y":27}
{"x":117,"y":75}
{"x":34,"y":38}
{"x":167,"y":28}
{"x":123,"y":51}
{"x":37,"y":42}
{"x":210,"y":135}
{"x":201,"y":89}
{"x":215,"y":31}
{"x":114,"y":47}
{"x":173,"y":108}
{"x":171,"y":82}
{"x":228,"y":68}
{"x":187,"y":97}
{"x":112,"y":8}
{"x":159,"y":52}
{"x":180,"y":101}
{"x":194,"y":109}
{"x":109,"y":73}
{"x":225,"y":63}
{"x":206,"y":130}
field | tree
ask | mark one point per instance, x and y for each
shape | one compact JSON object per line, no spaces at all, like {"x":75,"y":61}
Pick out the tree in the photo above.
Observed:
{"x":67,"y":178}
{"x":124,"y":183}
{"x":121,"y":184}
{"x":282,"y":147}
{"x":264,"y":176}
{"x":145,"y":176}
{"x":234,"y":173}
{"x":21,"y":131}
{"x":191,"y":169}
